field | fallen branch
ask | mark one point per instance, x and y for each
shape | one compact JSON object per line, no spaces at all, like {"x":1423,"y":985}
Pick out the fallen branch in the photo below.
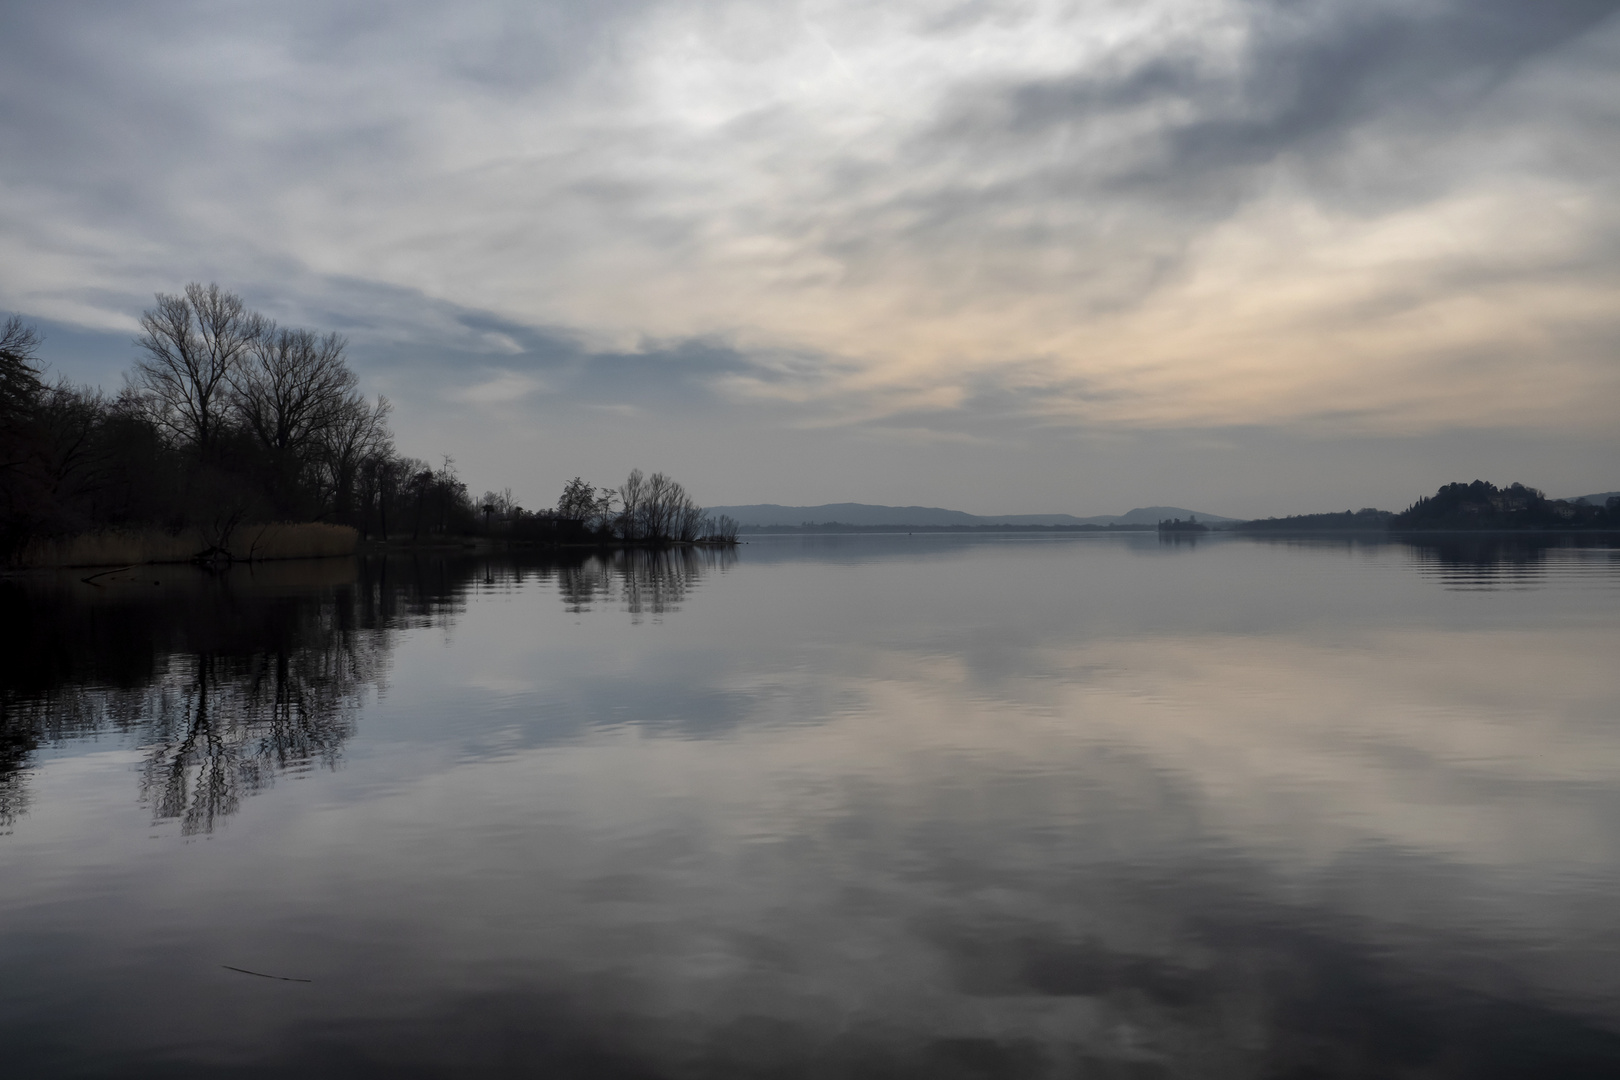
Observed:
{"x":91,"y":580}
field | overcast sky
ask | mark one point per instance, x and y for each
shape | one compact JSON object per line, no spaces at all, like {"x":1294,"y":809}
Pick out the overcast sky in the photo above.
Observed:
{"x":1250,"y":257}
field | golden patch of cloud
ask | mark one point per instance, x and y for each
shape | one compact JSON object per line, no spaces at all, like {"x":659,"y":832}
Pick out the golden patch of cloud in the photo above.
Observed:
{"x":1470,"y":310}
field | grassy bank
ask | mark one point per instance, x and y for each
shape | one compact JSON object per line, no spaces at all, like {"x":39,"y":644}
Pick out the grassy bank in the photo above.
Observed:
{"x":250,"y":543}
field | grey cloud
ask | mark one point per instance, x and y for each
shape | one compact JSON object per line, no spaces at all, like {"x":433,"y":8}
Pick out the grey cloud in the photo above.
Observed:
{"x":1310,"y":73}
{"x":132,"y":110}
{"x":677,"y":372}
{"x":129,"y":115}
{"x":147,"y":144}
{"x":1428,"y":66}
{"x":1181,"y":138}
{"x":1103,"y":178}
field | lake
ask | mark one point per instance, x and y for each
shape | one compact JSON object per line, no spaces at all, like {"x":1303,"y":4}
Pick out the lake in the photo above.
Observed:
{"x":845,"y":806}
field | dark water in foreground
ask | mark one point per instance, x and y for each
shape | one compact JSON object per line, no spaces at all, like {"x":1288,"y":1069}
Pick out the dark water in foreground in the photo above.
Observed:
{"x":841,"y":806}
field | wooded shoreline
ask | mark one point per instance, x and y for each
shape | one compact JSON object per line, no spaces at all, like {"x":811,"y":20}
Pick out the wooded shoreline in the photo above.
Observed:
{"x":286,"y":541}
{"x":238,"y":440}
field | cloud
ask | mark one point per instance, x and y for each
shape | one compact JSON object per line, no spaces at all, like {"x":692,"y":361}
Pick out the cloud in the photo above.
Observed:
{"x":502,"y":388}
{"x":1379,"y":217}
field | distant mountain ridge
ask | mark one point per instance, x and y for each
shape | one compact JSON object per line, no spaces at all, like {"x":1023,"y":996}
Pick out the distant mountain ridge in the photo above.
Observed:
{"x":866,"y":514}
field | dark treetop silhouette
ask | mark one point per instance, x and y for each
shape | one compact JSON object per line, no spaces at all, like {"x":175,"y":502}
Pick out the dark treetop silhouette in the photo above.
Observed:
{"x":227,"y":418}
{"x":224,"y":418}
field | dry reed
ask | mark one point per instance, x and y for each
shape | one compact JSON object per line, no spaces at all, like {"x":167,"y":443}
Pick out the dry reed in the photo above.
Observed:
{"x":251,"y":543}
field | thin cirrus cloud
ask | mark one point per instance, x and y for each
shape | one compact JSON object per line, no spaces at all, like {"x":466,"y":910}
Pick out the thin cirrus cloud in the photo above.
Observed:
{"x":1376,"y":217}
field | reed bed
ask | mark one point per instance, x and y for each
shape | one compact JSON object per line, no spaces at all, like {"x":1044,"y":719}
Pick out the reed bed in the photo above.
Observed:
{"x":293,"y":540}
{"x":251,"y":543}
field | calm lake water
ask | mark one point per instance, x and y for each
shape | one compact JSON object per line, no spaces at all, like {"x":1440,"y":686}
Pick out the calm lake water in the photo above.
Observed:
{"x":872,"y":806}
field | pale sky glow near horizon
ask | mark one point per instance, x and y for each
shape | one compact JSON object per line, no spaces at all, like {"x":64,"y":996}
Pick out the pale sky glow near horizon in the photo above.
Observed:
{"x":1247,"y":256}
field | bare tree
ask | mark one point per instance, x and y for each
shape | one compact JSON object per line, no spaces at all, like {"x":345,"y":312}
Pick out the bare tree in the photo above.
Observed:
{"x":290,"y":388}
{"x":356,"y":433}
{"x":687,"y":521}
{"x":668,"y":513}
{"x":382,"y":476}
{"x":22,"y":438}
{"x":723,"y":528}
{"x":655,"y":508}
{"x":602,"y":514}
{"x":577,"y":502}
{"x":192,"y":344}
{"x":20,"y":392}
{"x":632,"y":495}
{"x":20,"y":383}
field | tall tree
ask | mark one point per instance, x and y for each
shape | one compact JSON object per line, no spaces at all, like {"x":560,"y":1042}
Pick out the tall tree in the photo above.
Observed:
{"x":192,"y":344}
{"x":289,"y":390}
{"x":21,"y":436}
{"x":20,"y":384}
{"x":354,"y":441}
{"x":632,"y":495}
{"x":578,"y":502}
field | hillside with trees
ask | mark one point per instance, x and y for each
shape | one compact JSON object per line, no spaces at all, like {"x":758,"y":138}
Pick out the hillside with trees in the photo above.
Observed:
{"x":228,"y":419}
{"x":1478,"y":506}
{"x":1481,"y":505}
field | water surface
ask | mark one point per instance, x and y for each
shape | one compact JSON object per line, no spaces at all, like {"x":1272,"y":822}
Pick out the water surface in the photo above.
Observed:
{"x":939,"y":806}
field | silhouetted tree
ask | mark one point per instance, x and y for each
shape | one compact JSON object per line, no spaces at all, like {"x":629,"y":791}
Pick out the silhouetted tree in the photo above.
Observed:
{"x":20,"y":391}
{"x":632,"y":496}
{"x":192,"y":344}
{"x":578,"y":501}
{"x":227,"y":418}
{"x":290,"y":388}
{"x":356,"y":438}
{"x":20,"y":383}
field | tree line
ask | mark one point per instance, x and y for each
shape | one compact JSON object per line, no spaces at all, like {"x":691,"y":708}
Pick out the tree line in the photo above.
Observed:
{"x":1482,"y":505}
{"x":226,"y":417}
{"x":1364,"y":520}
{"x":1479,"y":505}
{"x":645,"y":510}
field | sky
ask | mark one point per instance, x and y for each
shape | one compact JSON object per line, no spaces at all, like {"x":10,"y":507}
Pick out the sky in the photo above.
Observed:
{"x":1245,"y":256}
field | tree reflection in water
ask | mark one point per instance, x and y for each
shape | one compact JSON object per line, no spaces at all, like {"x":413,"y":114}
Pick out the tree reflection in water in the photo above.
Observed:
{"x":219,"y":728}
{"x":1480,"y":561}
{"x":222,"y":681}
{"x":646,"y":582}
{"x":226,"y":680}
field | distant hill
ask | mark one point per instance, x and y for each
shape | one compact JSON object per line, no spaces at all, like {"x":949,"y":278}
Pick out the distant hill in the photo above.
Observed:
{"x":767,"y":514}
{"x":1599,"y":499}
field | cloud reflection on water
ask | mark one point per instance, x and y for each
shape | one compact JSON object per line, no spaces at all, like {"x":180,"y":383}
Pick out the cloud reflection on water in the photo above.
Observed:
{"x":224,"y":681}
{"x":927,"y":808}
